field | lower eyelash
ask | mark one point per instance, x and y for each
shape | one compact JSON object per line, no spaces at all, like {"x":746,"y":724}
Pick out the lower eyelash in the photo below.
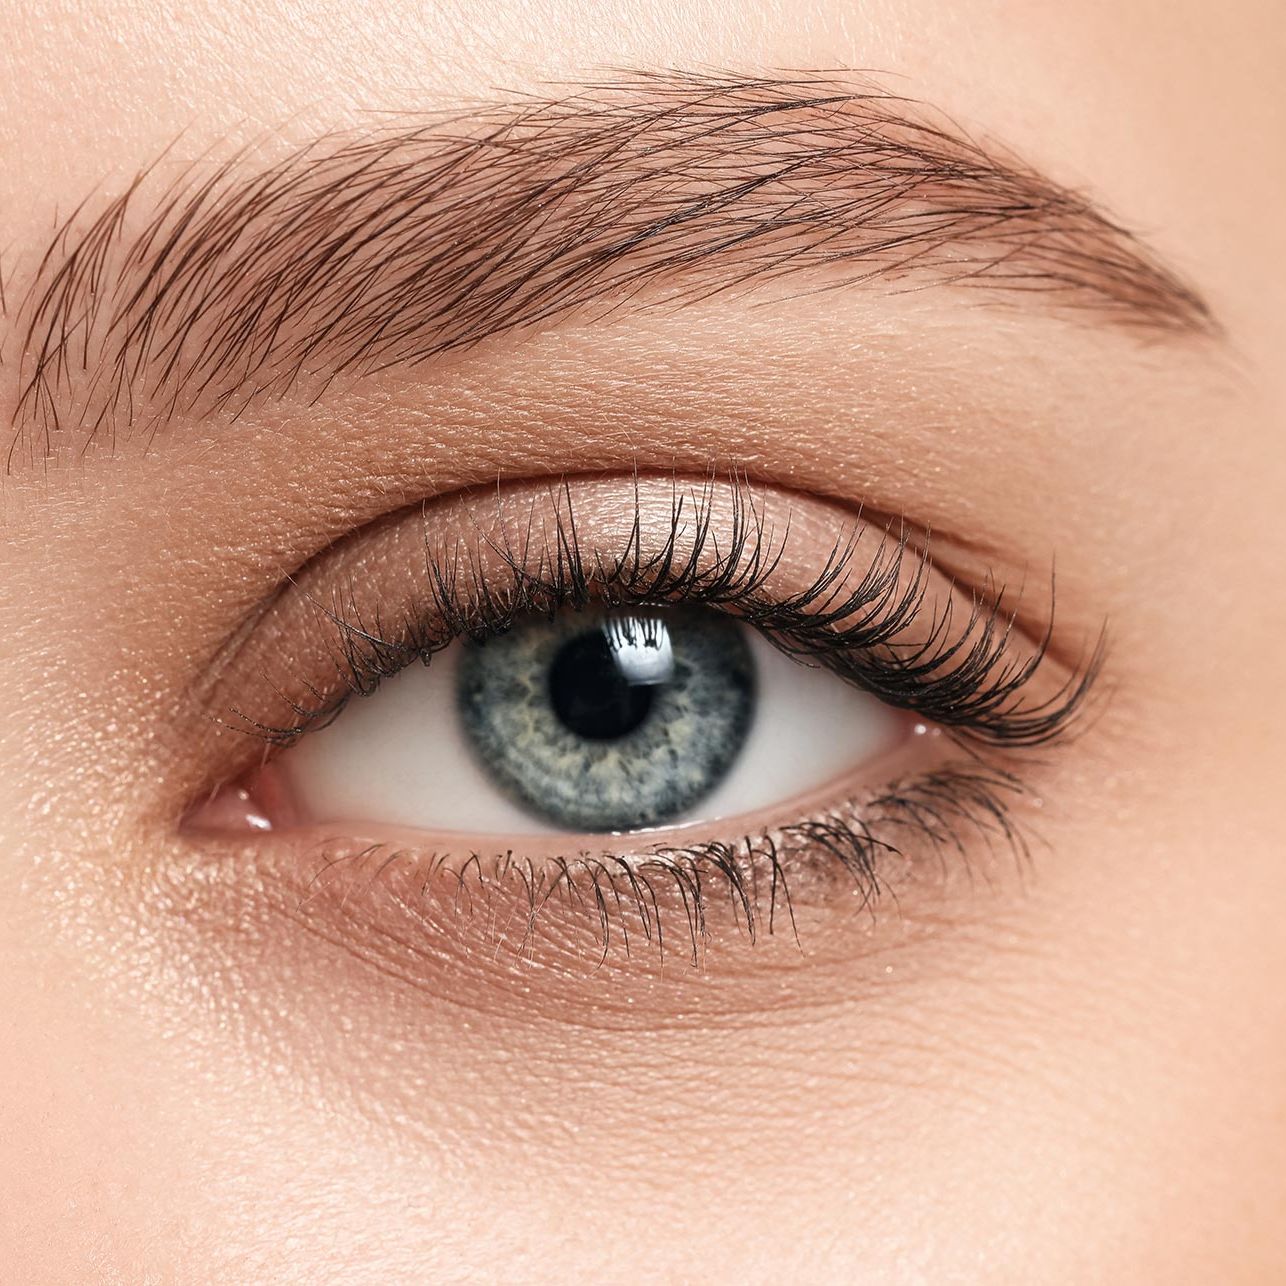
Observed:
{"x":664,"y":898}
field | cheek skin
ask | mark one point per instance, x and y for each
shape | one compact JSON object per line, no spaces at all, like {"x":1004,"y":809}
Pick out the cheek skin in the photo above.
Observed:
{"x":455,"y":1091}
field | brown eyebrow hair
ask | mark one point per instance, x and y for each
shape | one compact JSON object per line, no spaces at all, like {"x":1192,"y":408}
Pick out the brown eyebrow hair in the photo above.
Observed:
{"x":361,"y":252}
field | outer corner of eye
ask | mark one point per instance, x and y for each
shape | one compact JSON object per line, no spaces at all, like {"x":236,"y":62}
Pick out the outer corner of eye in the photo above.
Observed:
{"x":595,"y":721}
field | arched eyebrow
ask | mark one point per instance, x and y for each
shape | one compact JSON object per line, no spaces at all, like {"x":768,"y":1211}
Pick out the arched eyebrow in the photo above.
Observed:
{"x":387,"y":249}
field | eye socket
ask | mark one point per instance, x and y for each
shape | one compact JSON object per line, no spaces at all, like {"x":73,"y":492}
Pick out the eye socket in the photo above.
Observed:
{"x":504,"y":760}
{"x":591,"y":721}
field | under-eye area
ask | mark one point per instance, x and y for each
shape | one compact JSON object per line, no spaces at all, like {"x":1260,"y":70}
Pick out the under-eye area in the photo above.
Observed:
{"x":633,"y":699}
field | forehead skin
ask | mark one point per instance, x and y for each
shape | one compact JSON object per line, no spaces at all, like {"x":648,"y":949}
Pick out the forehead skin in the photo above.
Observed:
{"x":1155,"y":1153}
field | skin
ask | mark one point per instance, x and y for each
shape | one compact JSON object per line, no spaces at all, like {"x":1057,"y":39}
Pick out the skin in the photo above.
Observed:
{"x":1067,"y":1070}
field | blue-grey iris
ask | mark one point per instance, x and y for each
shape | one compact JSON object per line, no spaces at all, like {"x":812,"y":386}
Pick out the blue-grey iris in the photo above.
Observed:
{"x":610,"y":721}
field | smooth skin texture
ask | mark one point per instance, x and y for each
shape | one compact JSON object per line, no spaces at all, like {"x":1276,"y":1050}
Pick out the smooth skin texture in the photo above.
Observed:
{"x":1072,"y":1072}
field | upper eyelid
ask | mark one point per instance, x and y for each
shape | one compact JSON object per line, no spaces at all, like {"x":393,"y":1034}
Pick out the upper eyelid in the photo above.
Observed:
{"x":1008,"y":713}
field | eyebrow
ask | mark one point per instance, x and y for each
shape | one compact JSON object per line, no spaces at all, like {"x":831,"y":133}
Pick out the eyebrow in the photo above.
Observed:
{"x":358,"y":253}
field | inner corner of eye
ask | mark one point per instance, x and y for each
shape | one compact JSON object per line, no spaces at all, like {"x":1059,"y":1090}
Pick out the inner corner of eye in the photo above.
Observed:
{"x":256,"y":802}
{"x":597,"y":721}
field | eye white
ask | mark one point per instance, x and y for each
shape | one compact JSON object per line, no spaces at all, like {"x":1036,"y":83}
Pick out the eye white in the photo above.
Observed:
{"x":401,"y":757}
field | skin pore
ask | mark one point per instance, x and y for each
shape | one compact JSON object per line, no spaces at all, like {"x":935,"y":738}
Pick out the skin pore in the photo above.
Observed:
{"x":1061,"y":1062}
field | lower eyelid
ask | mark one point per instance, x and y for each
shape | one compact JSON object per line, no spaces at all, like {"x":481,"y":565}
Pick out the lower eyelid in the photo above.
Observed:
{"x":647,"y":896}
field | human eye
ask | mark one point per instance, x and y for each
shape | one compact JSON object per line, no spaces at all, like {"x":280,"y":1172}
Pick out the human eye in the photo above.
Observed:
{"x":640,"y":694}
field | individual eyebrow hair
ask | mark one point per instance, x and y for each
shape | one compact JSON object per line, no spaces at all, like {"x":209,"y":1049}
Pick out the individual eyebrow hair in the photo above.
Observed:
{"x":360,"y":252}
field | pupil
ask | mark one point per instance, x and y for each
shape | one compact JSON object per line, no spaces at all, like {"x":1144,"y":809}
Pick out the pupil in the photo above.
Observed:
{"x":592,"y":694}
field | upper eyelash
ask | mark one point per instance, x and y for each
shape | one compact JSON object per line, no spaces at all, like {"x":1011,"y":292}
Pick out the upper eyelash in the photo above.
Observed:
{"x":966,"y":680}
